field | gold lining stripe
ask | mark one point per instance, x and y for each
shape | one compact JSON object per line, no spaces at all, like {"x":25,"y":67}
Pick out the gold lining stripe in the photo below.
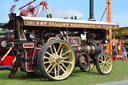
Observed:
{"x":28,"y":45}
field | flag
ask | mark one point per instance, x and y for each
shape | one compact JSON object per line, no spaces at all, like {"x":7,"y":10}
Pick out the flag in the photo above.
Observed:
{"x":12,"y":8}
{"x":16,"y":0}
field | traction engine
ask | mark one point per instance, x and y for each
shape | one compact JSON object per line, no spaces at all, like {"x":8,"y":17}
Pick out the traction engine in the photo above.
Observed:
{"x":54,"y":47}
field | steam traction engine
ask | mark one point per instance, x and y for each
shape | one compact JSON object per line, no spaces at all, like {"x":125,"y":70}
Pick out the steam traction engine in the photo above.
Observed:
{"x":54,"y":46}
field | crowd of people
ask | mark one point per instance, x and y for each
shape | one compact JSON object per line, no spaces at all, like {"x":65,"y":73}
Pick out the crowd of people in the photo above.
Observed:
{"x":121,"y":51}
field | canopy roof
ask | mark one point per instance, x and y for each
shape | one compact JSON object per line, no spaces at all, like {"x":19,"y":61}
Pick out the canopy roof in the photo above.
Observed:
{"x":121,"y":31}
{"x":68,"y":23}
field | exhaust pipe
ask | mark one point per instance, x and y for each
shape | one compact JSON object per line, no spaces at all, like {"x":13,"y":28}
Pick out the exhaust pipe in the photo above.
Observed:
{"x":91,"y":11}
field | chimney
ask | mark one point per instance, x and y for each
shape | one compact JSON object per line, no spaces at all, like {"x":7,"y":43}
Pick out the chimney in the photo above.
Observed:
{"x":91,"y":11}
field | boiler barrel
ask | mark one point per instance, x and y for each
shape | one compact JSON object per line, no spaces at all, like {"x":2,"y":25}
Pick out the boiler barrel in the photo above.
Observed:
{"x":88,"y":49}
{"x":97,"y":50}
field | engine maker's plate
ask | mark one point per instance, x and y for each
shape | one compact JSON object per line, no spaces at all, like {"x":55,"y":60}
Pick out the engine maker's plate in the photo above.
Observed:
{"x":74,"y":41}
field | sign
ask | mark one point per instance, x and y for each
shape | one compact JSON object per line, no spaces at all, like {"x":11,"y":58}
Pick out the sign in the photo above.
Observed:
{"x":74,"y":41}
{"x":68,"y":25}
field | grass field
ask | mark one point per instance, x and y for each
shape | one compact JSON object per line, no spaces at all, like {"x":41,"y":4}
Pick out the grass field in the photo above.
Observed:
{"x":120,"y":72}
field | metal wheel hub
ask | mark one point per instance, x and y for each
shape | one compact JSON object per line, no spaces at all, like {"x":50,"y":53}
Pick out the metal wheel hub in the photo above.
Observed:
{"x":56,"y":59}
{"x":104,"y":62}
{"x":59,"y":60}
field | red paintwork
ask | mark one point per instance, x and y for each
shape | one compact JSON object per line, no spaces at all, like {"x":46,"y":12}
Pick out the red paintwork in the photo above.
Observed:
{"x":44,"y":3}
{"x":121,"y":58}
{"x":31,"y":9}
{"x":12,"y":8}
{"x":7,"y":61}
{"x":32,"y":65}
{"x":2,"y":49}
{"x":114,"y":57}
{"x":85,"y":49}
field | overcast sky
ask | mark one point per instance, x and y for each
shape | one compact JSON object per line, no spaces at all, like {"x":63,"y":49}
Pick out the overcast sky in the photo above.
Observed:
{"x":68,"y":8}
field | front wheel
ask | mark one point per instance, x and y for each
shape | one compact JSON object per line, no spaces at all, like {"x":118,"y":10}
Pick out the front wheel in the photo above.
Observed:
{"x":56,"y":60}
{"x":104,"y":63}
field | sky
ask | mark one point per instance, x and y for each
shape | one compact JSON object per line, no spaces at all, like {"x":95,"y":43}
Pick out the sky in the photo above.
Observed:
{"x":68,"y":8}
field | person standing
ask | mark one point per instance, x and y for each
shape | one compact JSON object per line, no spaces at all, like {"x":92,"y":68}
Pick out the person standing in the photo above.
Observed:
{"x":124,"y":52}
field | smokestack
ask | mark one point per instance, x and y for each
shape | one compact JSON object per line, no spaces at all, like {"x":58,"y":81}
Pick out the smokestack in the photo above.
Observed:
{"x":91,"y":11}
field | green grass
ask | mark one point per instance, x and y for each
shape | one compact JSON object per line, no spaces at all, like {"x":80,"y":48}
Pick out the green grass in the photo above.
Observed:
{"x":120,"y":72}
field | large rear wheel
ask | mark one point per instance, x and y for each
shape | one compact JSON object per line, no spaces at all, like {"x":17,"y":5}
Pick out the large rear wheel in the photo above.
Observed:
{"x":56,"y":60}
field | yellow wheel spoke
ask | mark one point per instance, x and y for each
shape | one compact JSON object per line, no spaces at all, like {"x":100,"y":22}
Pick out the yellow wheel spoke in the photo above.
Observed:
{"x":102,"y":57}
{"x":59,"y":48}
{"x":61,"y":51}
{"x":48,"y":67}
{"x":49,"y":54}
{"x":67,"y":57}
{"x":107,"y":67}
{"x":55,"y":49}
{"x":109,"y":64}
{"x":109,"y":61}
{"x":63,"y":65}
{"x":46,"y":57}
{"x":55,"y":71}
{"x":52,"y":68}
{"x":103,"y":68}
{"x":90,"y":67}
{"x":62,"y":68}
{"x":105,"y":58}
{"x":101,"y":65}
{"x":69,"y":62}
{"x":48,"y":62}
{"x":58,"y":69}
{"x":51,"y":49}
{"x":66,"y":52}
{"x":101,"y":60}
